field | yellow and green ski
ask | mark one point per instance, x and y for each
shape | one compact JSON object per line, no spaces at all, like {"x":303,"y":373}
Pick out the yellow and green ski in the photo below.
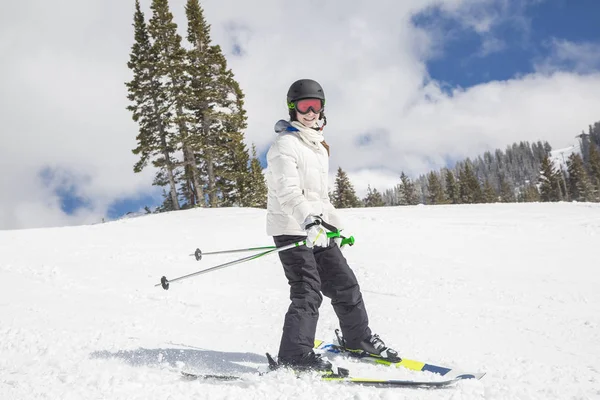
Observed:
{"x":412,"y":365}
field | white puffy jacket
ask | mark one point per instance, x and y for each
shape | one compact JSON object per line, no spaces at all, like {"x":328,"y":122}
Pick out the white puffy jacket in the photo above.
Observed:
{"x":297,"y":178}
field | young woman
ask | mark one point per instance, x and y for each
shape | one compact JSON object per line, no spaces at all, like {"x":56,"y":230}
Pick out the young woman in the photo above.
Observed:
{"x":298,"y":201}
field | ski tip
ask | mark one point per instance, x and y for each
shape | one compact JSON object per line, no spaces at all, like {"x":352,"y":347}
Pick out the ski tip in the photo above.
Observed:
{"x":272,"y":363}
{"x":477,"y":376}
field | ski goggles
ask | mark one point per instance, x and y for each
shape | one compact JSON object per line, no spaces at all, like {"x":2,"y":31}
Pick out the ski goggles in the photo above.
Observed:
{"x":305,"y":105}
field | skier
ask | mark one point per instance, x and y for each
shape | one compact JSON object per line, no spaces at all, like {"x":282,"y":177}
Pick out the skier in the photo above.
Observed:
{"x":298,"y":204}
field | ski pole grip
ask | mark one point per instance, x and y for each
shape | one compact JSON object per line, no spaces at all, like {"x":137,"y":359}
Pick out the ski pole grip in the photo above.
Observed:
{"x":348,"y":241}
{"x":345,"y":240}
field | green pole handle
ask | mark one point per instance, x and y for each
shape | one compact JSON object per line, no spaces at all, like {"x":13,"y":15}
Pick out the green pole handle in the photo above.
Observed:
{"x":348,"y":241}
{"x":345,"y":240}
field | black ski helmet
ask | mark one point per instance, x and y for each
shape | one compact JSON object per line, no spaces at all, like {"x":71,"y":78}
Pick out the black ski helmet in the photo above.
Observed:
{"x":305,"y":89}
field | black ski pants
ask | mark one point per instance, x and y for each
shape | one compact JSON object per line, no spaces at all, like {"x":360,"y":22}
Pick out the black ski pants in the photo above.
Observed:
{"x":311,"y":272}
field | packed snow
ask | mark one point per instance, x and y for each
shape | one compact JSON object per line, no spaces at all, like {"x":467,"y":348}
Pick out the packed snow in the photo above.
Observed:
{"x":512,"y":290}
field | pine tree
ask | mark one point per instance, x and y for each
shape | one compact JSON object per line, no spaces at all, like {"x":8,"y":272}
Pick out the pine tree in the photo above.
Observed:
{"x":171,"y":68}
{"x":344,"y":195}
{"x":229,"y":133}
{"x":156,"y":143}
{"x":594,"y":171}
{"x":373,"y":198}
{"x":580,"y":187}
{"x":217,"y":103}
{"x":507,"y":193}
{"x":408,"y":192}
{"x":531,"y":194}
{"x":470,"y":190}
{"x":436,"y":191}
{"x":233,"y":182}
{"x":452,"y":189}
{"x":167,"y":204}
{"x":258,"y":196}
{"x":489,"y":193}
{"x":549,"y":181}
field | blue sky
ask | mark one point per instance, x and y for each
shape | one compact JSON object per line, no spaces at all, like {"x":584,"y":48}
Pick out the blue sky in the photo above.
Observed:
{"x":520,"y":42}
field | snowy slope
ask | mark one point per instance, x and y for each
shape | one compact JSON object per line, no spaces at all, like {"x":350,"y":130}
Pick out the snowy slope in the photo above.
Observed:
{"x":512,"y":290}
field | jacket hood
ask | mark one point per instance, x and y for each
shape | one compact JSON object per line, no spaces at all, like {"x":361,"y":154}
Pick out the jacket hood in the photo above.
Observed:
{"x":282,"y":125}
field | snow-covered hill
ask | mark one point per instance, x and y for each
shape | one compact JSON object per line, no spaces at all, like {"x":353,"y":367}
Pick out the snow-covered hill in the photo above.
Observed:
{"x":511,"y":290}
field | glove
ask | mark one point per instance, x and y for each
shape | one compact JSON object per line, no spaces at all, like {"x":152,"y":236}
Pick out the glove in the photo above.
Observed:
{"x":315,"y":233}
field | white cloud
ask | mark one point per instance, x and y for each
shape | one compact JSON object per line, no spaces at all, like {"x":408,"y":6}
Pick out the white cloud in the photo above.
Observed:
{"x":62,"y":92}
{"x":583,"y":57}
{"x":377,"y":179}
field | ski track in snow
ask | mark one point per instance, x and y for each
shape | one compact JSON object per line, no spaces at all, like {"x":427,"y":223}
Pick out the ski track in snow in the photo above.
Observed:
{"x":512,"y":290}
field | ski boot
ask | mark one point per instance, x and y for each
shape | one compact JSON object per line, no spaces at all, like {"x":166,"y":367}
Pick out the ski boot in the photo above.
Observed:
{"x":372,"y":346}
{"x":306,"y":362}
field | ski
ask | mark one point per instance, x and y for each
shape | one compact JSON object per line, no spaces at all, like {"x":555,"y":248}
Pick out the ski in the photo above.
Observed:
{"x":336,"y":378}
{"x":412,"y":365}
{"x":393,"y":382}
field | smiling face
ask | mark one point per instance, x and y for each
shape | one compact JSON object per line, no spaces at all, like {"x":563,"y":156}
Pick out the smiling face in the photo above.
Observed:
{"x":309,"y":119}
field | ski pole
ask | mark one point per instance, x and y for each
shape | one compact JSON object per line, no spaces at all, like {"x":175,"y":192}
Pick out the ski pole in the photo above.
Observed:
{"x":164,"y":282}
{"x":198,"y":253}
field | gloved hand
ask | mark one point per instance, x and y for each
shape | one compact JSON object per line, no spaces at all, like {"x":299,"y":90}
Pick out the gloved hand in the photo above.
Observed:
{"x":316,"y":235}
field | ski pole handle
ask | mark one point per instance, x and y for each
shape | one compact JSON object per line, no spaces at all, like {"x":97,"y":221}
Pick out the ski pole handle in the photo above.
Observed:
{"x":345,"y":240}
{"x":348,"y":241}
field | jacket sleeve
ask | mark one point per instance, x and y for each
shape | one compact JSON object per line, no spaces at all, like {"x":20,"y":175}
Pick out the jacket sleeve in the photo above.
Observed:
{"x":333,"y":216}
{"x":283,"y":167}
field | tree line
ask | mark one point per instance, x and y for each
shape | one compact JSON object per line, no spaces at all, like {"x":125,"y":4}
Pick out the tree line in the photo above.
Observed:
{"x":524,"y":172}
{"x":190,"y":113}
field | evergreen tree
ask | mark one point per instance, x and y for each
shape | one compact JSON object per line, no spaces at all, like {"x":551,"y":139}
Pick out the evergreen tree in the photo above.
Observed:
{"x":507,"y":193}
{"x":202,"y":99}
{"x":373,"y":198}
{"x":156,"y":143}
{"x":580,"y":187}
{"x":562,"y":183}
{"x":233,"y":182}
{"x":228,"y":133}
{"x":408,"y":192}
{"x":549,"y":181}
{"x":452,"y":189}
{"x":489,"y":193}
{"x":390,"y":197}
{"x":531,"y":194}
{"x":594,"y":171}
{"x":344,"y":195}
{"x":217,"y":102}
{"x":170,"y":67}
{"x":258,"y":195}
{"x":167,"y":204}
{"x":470,"y":190}
{"x":436,"y":191}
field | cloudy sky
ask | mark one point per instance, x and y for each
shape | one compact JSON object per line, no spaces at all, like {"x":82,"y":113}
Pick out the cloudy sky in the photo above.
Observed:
{"x":411,"y":85}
